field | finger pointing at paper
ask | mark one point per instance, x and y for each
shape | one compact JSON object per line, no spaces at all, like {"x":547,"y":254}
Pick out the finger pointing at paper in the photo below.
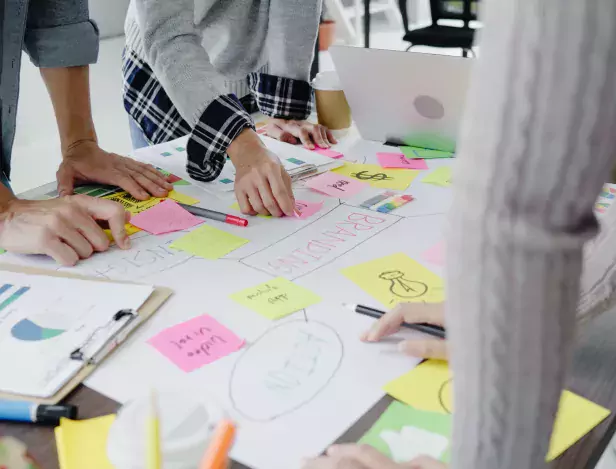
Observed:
{"x":390,"y":323}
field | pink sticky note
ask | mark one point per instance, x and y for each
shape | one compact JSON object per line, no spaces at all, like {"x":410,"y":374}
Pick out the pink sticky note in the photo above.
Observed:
{"x":306,"y":209}
{"x":328,"y":152}
{"x":398,"y":160}
{"x":436,"y":254}
{"x":335,"y":185}
{"x":165,"y":217}
{"x":196,"y":342}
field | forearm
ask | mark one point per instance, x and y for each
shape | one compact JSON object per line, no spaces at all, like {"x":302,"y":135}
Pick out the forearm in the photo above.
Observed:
{"x":5,"y":197}
{"x":534,"y":151}
{"x":69,"y":90}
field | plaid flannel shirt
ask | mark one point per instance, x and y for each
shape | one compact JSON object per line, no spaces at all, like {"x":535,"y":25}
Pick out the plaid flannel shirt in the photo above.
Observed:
{"x":225,"y":117}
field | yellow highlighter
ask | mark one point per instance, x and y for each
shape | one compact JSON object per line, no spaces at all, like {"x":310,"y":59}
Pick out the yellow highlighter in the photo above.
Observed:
{"x":153,"y":429}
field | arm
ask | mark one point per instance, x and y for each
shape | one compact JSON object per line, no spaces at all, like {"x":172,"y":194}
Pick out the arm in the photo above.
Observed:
{"x":534,"y":151}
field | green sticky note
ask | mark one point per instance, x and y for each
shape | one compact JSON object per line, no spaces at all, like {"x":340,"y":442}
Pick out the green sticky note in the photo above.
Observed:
{"x":424,"y":153}
{"x":403,"y":433}
{"x":439,"y":177}
{"x":208,"y":242}
{"x":2,"y":251}
{"x":276,"y":298}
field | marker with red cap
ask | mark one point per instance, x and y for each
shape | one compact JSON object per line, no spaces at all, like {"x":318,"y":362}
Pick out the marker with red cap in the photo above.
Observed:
{"x":219,"y":216}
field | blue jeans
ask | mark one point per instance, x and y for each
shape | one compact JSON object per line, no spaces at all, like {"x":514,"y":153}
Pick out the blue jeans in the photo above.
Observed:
{"x":136,"y":135}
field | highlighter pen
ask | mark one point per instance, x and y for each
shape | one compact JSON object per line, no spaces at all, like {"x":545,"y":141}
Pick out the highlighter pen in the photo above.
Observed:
{"x":24,"y":411}
{"x":219,"y":216}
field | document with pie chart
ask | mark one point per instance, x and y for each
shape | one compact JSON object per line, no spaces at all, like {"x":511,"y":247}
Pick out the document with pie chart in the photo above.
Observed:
{"x":43,"y":319}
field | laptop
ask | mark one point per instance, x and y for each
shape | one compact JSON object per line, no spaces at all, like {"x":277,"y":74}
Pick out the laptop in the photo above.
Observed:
{"x":404,"y":98}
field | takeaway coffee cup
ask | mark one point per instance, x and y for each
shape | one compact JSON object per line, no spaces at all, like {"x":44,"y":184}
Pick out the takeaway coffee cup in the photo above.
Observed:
{"x":332,"y":107}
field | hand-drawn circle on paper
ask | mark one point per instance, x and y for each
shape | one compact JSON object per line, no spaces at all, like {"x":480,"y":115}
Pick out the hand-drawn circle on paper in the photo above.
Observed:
{"x":444,"y":396}
{"x":429,"y":107}
{"x":284,"y":369}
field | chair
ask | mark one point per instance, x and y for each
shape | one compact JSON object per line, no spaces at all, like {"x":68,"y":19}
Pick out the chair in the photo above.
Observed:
{"x":437,"y":35}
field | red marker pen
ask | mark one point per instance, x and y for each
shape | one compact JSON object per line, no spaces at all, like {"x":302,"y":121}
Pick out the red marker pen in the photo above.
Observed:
{"x":219,"y":216}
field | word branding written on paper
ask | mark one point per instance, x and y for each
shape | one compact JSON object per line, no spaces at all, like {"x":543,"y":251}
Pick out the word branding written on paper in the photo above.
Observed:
{"x":320,"y":242}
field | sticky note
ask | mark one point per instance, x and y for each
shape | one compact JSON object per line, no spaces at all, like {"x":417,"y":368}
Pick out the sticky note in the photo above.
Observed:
{"x":428,"y":387}
{"x":195,"y":343}
{"x":83,"y":443}
{"x":439,"y":177}
{"x":328,"y":152}
{"x":424,"y":153}
{"x":131,"y":204}
{"x":183,"y":198}
{"x":306,"y":208}
{"x":335,"y":185}
{"x":276,"y":298}
{"x":436,"y":254}
{"x":373,"y":174}
{"x":403,"y":433}
{"x":396,"y":279}
{"x":208,"y":242}
{"x":165,"y":217}
{"x":398,"y":160}
{"x":130,"y":230}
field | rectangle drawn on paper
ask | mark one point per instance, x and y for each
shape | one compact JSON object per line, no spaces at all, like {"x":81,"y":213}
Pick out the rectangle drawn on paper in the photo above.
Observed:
{"x":320,"y":242}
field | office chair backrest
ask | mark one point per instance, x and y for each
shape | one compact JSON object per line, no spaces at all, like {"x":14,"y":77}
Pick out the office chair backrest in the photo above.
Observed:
{"x":465,"y":10}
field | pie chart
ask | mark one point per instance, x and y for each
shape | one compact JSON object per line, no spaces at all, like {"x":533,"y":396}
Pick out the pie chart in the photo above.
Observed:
{"x":29,"y":331}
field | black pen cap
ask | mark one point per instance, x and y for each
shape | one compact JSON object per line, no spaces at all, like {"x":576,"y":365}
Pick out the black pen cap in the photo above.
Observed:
{"x":51,"y":414}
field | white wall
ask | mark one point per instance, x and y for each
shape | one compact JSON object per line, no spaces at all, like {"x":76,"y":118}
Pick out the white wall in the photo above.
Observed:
{"x":109,"y":15}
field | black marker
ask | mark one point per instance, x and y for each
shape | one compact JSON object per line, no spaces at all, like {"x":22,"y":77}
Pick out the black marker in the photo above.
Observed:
{"x":434,"y":331}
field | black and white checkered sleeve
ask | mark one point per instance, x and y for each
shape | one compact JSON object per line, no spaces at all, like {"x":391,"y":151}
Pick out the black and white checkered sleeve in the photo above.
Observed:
{"x":220,"y":123}
{"x":279,"y":97}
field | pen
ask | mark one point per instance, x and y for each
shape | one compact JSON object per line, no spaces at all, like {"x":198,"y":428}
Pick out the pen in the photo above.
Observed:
{"x":219,"y":216}
{"x":435,"y":331}
{"x":217,"y":453}
{"x":24,"y":411}
{"x":154,"y":456}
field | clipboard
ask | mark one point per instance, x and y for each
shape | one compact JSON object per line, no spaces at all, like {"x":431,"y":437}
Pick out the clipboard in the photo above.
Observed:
{"x":158,"y":297}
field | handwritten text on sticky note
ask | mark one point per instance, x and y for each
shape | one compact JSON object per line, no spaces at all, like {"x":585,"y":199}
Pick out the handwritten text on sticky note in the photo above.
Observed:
{"x":165,"y":217}
{"x":196,"y":342}
{"x":335,"y":185}
{"x":276,"y":298}
{"x":398,"y":160}
{"x":377,"y":176}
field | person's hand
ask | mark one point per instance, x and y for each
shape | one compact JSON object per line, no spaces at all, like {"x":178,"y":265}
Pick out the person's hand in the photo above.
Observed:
{"x":390,"y":323}
{"x":65,"y":228}
{"x":262,"y":185}
{"x":293,"y":132}
{"x":352,"y":456}
{"x":87,"y":162}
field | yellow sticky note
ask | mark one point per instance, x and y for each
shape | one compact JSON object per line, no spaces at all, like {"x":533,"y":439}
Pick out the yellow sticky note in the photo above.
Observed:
{"x":132,"y":205}
{"x":236,"y":206}
{"x":439,"y":177}
{"x":276,"y":298}
{"x":376,"y":176}
{"x":183,"y":198}
{"x":83,"y":443}
{"x":208,"y":242}
{"x":428,"y":387}
{"x":396,"y":279}
{"x":576,"y":417}
{"x":130,"y":230}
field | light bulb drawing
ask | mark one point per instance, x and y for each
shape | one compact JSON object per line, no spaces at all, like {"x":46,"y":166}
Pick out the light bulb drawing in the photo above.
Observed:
{"x":403,"y":287}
